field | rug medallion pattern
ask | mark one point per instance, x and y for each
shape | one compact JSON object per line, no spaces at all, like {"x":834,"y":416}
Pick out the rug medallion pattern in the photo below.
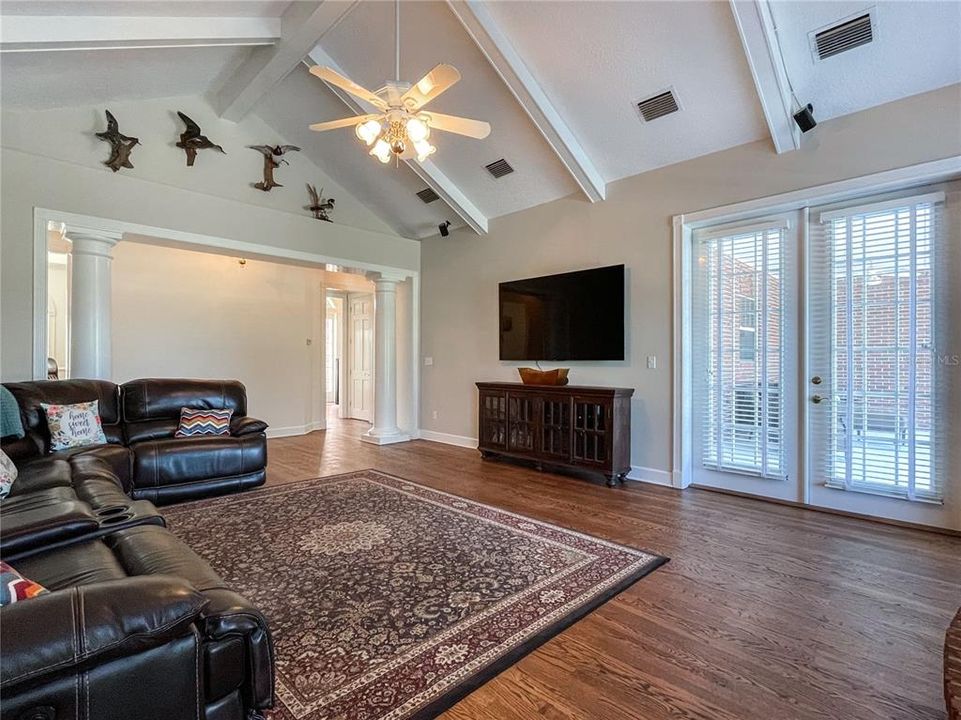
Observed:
{"x":388,"y":600}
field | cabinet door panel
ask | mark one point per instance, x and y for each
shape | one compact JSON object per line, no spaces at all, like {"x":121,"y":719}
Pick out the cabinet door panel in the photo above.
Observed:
{"x":522,"y":421}
{"x":493,"y":423}
{"x":591,"y":435}
{"x":556,"y":428}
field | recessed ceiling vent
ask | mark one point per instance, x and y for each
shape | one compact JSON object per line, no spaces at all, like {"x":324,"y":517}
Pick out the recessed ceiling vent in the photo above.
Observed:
{"x":657,"y":106}
{"x":428,"y":195}
{"x":499,"y":168}
{"x":846,"y":35}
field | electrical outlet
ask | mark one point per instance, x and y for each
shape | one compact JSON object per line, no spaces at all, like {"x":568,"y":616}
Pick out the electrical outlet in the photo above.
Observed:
{"x":652,"y":362}
{"x":428,"y":361}
{"x":434,"y":415}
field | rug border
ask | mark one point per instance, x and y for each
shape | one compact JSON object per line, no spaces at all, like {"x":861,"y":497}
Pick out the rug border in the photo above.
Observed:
{"x":515,"y":655}
{"x":460,"y":691}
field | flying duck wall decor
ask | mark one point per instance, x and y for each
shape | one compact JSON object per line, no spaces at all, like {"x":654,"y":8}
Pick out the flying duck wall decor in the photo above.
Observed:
{"x":120,"y":145}
{"x":192,"y":140}
{"x":273,"y":157}
{"x":319,"y":205}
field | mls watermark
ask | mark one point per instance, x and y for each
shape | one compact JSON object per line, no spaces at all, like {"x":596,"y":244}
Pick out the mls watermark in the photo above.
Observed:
{"x":949,"y":360}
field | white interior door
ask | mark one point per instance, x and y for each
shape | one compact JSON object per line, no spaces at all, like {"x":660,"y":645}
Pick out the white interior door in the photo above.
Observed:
{"x":360,"y":351}
{"x":884,"y":391}
{"x":745,"y":311}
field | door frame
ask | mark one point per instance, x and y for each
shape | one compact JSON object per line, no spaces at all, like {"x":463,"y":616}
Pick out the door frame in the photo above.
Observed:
{"x":795,"y":200}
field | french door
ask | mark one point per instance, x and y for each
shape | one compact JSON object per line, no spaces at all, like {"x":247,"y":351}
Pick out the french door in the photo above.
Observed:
{"x":840,"y":390}
{"x":745,"y":301}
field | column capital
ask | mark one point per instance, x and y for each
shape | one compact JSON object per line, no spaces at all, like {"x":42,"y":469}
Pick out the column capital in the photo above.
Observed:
{"x":393,"y":276}
{"x":92,"y":242}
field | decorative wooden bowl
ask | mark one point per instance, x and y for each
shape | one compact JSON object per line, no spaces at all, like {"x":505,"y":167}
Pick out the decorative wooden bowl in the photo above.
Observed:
{"x":533,"y":376}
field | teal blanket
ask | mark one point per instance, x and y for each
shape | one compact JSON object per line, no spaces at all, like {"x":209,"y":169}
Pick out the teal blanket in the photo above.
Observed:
{"x":10,"y":423}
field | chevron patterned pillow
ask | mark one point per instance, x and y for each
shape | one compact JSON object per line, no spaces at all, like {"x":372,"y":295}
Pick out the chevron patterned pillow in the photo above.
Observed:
{"x":14,"y":587}
{"x":203,"y":422}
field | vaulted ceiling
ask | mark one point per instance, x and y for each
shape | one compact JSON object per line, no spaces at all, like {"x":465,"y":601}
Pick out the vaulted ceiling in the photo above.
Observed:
{"x":559,"y":82}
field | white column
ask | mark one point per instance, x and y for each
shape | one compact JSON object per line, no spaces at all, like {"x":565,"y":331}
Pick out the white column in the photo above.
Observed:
{"x":90,"y":303}
{"x":385,"y":430}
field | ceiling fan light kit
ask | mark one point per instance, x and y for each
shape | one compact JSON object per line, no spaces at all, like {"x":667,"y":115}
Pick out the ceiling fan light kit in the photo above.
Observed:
{"x":399,"y":128}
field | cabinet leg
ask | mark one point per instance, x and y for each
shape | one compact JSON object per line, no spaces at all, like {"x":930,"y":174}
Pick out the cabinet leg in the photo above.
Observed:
{"x":611,"y":480}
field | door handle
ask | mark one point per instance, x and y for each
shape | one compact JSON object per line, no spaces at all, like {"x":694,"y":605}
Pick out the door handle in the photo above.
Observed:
{"x":816,"y":380}
{"x":817,"y":399}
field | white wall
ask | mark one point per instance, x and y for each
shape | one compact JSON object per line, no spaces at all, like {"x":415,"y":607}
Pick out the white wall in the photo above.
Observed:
{"x":183,"y":313}
{"x":51,"y":160}
{"x":633,"y":226}
{"x":179,"y":313}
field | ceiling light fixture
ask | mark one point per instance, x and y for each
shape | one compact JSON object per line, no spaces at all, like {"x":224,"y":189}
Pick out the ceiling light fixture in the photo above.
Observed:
{"x":400,"y":129}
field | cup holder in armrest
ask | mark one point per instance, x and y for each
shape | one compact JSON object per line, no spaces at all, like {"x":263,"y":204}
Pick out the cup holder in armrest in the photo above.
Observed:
{"x":116,"y":519}
{"x":105,"y":512}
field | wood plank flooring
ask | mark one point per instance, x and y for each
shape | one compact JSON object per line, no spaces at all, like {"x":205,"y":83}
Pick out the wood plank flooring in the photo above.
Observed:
{"x":765,"y":611}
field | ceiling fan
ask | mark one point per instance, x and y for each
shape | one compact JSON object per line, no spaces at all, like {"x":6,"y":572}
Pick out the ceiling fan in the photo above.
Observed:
{"x":400,"y":127}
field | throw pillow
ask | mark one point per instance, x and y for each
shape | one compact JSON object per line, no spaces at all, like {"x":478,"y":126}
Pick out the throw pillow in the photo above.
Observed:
{"x":203,"y":422}
{"x":8,"y":473}
{"x":10,"y":423}
{"x":14,"y":587}
{"x":74,"y":425}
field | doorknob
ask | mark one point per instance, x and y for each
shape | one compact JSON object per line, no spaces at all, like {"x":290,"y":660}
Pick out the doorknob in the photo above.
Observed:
{"x":817,"y":399}
{"x":816,"y":380}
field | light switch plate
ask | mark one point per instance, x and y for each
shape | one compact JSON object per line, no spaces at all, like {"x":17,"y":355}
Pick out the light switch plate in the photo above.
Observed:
{"x":652,"y":362}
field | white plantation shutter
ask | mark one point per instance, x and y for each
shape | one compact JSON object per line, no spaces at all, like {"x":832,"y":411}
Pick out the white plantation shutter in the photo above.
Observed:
{"x":877,"y":311}
{"x":738,"y":326}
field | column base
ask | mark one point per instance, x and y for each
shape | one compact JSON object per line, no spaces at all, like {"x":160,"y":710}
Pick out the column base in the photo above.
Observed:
{"x":381,"y":437}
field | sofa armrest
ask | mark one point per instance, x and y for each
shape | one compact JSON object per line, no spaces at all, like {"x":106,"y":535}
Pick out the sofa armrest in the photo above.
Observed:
{"x":67,"y":628}
{"x":39,"y":526}
{"x":246,"y":425}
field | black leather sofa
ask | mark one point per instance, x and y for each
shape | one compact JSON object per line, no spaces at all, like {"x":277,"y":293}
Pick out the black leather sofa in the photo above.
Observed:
{"x":139,"y":421}
{"x":135,"y":624}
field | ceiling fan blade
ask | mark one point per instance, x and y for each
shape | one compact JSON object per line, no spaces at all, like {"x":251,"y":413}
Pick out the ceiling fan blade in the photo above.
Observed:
{"x":430,"y":86}
{"x":338,"y":80}
{"x":462,"y":126}
{"x":343,"y":122}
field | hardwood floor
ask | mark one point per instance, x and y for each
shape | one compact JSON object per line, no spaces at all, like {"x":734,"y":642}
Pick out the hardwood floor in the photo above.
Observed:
{"x":765,"y":611}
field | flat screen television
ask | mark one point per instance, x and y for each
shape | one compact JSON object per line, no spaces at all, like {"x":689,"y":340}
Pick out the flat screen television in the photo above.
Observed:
{"x":572,"y":316}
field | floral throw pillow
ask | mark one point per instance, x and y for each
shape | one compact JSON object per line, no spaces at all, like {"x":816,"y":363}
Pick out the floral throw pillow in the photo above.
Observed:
{"x":8,"y":473}
{"x":74,"y":425}
{"x":14,"y":587}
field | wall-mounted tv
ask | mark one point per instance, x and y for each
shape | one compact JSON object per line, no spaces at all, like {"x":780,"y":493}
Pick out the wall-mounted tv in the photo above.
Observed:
{"x":572,"y":316}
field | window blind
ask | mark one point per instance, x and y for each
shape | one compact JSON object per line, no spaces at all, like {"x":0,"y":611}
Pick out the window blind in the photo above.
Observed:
{"x":738,"y":325}
{"x":875,"y":316}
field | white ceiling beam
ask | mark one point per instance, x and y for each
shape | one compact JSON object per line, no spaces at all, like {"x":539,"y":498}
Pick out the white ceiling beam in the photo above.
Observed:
{"x":427,"y":171}
{"x":29,"y":33}
{"x":495,"y":45}
{"x":756,"y":27}
{"x":302,"y":27}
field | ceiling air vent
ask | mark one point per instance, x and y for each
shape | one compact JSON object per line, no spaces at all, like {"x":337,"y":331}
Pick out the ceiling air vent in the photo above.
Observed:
{"x":846,"y":35}
{"x":499,"y":168}
{"x":428,"y":195}
{"x":657,"y":106}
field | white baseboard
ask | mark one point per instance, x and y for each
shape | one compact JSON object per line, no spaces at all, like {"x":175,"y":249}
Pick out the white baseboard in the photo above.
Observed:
{"x":448,"y":439}
{"x":293,"y":430}
{"x":650,"y":475}
{"x":637,"y":473}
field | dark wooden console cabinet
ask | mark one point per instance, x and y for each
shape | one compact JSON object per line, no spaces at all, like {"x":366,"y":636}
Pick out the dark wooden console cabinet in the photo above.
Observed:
{"x":586,"y":428}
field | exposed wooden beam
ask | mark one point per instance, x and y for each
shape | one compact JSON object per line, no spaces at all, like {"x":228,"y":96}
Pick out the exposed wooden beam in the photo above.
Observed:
{"x":302,"y":27}
{"x":29,"y":33}
{"x":426,"y":171}
{"x":759,"y":38}
{"x":495,"y":45}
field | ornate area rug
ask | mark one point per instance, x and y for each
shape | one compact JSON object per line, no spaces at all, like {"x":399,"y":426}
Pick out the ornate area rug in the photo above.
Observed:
{"x":389,"y":600}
